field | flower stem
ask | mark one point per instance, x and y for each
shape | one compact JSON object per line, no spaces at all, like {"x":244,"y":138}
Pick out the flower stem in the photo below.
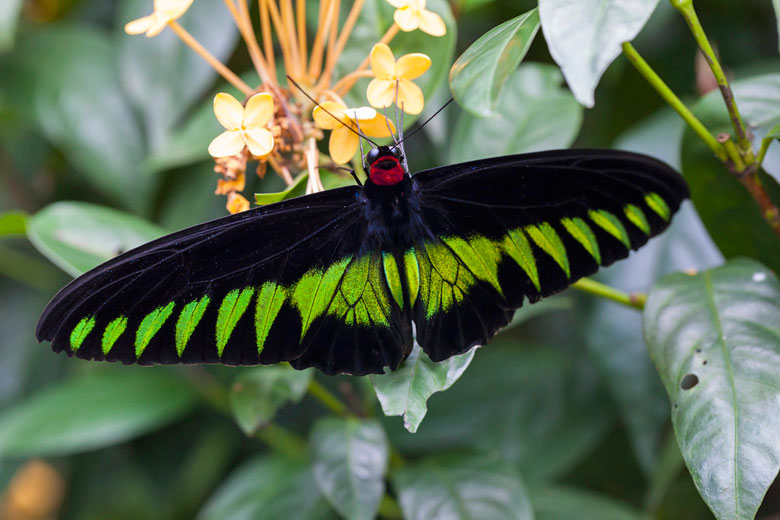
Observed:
{"x":633,"y":300}
{"x":225,"y":72}
{"x":268,"y":43}
{"x":386,"y":38}
{"x":302,"y":43}
{"x":281,"y":35}
{"x":288,"y":22}
{"x":685,"y":7}
{"x":346,"y":31}
{"x":327,"y":399}
{"x":666,"y":93}
{"x":248,"y":33}
{"x":315,"y":65}
{"x":344,"y":84}
{"x":312,"y":164}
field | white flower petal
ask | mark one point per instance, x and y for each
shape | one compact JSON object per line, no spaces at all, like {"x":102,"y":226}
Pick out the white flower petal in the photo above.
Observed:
{"x":228,"y":111}
{"x":227,"y":144}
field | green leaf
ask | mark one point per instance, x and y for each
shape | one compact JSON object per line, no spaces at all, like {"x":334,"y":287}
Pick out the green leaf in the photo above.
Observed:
{"x":479,"y":74}
{"x":258,"y":393}
{"x":95,"y":410}
{"x":162,"y":76}
{"x":715,"y":339}
{"x":66,"y":78}
{"x":13,"y":223}
{"x":565,"y":503}
{"x":9,"y":16}
{"x":406,"y":390}
{"x":375,"y":18}
{"x":296,"y":190}
{"x":584,"y":37}
{"x":776,"y":6}
{"x":539,"y":407}
{"x":467,"y":488}
{"x":350,"y":462}
{"x":268,"y":487}
{"x":535,"y":113}
{"x":77,"y":236}
{"x":730,"y":214}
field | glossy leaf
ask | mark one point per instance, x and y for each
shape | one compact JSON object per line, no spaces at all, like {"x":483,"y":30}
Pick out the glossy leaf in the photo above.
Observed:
{"x":99,"y":409}
{"x":467,"y":488}
{"x":585,"y":36}
{"x":535,"y":114}
{"x":730,"y":214}
{"x":66,"y":78}
{"x":540,"y":408}
{"x":375,"y":18}
{"x":77,"y":236}
{"x":350,"y":459}
{"x":296,"y":190}
{"x":406,"y":390}
{"x":715,"y":339}
{"x":9,"y":16}
{"x":258,"y":393}
{"x":13,"y":223}
{"x":479,"y":74}
{"x":776,"y":6}
{"x":273,"y":486}
{"x":565,"y":503}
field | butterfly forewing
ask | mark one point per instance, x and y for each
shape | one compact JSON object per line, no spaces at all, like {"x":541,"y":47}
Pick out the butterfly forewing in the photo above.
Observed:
{"x":528,"y":226}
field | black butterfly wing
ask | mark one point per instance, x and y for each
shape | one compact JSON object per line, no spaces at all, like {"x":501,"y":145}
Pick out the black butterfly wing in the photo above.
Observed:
{"x":288,"y":282}
{"x":527,"y":226}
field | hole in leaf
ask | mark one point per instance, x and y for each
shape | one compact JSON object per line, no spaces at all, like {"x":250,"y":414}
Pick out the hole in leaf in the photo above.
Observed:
{"x":698,"y":351}
{"x":689,"y":381}
{"x":704,"y":362}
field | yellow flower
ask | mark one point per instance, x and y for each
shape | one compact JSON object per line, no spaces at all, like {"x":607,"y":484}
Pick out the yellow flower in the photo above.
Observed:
{"x":412,"y":14}
{"x":389,"y":73}
{"x":243,"y":126}
{"x":343,"y":142}
{"x":165,"y":11}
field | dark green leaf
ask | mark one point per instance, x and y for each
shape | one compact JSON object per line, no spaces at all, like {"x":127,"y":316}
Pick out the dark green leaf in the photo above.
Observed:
{"x":9,"y":16}
{"x":296,"y":190}
{"x":13,"y":223}
{"x":350,"y":461}
{"x":540,"y":408}
{"x":268,"y":487}
{"x":92,"y":411}
{"x":563,"y":503}
{"x":715,"y":339}
{"x":66,"y":77}
{"x":406,"y":391}
{"x":584,"y":37}
{"x":479,"y":74}
{"x":77,"y":236}
{"x":467,"y":488}
{"x":258,"y":393}
{"x":776,"y":5}
{"x":535,"y":113}
{"x":162,"y":76}
{"x":730,"y":214}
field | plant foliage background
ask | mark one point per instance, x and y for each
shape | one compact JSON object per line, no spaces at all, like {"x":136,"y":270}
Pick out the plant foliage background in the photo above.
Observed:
{"x":574,"y":411}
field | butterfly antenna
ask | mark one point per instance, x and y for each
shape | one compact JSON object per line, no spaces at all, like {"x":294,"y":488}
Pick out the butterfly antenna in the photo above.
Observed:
{"x":389,"y":128}
{"x":348,"y":127}
{"x":427,"y":120}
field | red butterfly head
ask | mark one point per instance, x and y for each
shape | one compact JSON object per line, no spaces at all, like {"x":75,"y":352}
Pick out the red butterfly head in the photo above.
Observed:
{"x":384,"y":166}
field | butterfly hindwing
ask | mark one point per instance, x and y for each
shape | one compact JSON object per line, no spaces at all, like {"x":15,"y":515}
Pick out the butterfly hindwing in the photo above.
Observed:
{"x":514,"y":228}
{"x":286,"y":282}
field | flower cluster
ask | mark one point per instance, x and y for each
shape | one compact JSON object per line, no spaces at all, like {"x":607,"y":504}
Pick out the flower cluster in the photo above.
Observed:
{"x":277,"y":126}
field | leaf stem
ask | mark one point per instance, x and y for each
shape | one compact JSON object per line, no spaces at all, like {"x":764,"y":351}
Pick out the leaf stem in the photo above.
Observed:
{"x":671,"y":98}
{"x":765,"y":142}
{"x":318,"y":391}
{"x":633,"y":300}
{"x":225,"y":72}
{"x":685,"y":7}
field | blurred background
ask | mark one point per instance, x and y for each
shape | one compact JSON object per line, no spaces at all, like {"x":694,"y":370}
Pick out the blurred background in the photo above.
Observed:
{"x":568,"y":397}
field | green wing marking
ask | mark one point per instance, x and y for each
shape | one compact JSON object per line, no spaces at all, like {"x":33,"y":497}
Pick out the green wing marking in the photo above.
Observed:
{"x":269,"y":303}
{"x":637,"y":217}
{"x":517,"y":247}
{"x":548,"y":241}
{"x":393,"y":278}
{"x":443,"y":280}
{"x":412,"y":272}
{"x":611,"y":224}
{"x":188,"y":319}
{"x":362,"y":298}
{"x":112,"y":332}
{"x":582,"y":233}
{"x":315,"y":290}
{"x":658,"y":204}
{"x":80,"y":332}
{"x":149,"y":326}
{"x":233,"y":306}
{"x":480,"y":255}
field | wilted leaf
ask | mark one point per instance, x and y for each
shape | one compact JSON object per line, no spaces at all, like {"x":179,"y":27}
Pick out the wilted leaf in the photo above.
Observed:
{"x":715,"y":339}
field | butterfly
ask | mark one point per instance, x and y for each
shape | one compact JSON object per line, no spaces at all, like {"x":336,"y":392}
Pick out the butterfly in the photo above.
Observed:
{"x":336,"y":279}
